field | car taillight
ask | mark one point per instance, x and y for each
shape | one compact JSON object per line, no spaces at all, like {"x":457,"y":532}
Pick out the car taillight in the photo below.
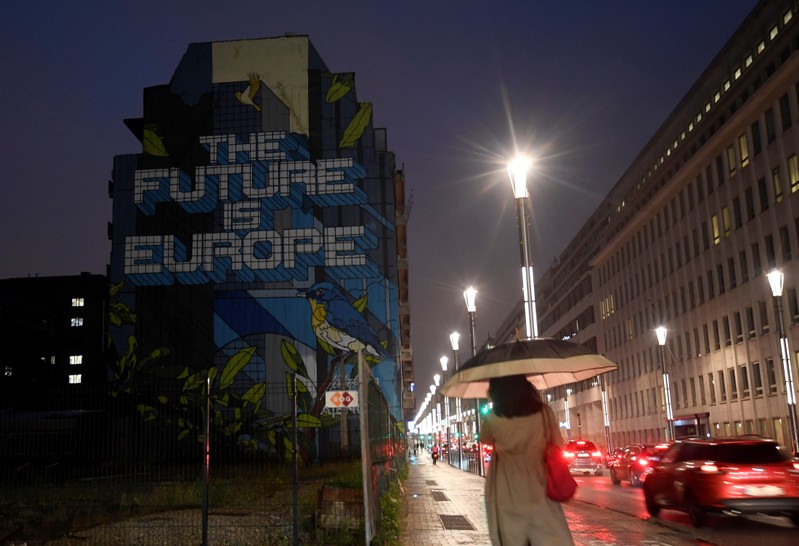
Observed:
{"x":643,"y":461}
{"x":796,"y":465}
{"x":709,"y":468}
{"x":596,"y":454}
{"x":568,"y":454}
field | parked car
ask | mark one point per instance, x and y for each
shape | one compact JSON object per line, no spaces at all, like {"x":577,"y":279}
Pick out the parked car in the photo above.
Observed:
{"x":583,"y":456}
{"x":612,"y":455}
{"x":633,"y":462}
{"x":732,"y":476}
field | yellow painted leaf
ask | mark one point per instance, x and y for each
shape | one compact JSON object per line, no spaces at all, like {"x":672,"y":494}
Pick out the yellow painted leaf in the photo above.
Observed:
{"x":357,"y":126}
{"x":234,"y":366}
{"x":153,"y":145}
{"x":338,"y":89}
{"x":360,"y":303}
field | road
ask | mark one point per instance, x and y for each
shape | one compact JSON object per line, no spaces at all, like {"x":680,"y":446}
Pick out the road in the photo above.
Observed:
{"x":720,"y":531}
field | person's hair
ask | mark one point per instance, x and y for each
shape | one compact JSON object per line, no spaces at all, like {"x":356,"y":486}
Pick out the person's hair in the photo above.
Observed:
{"x":514,"y":396}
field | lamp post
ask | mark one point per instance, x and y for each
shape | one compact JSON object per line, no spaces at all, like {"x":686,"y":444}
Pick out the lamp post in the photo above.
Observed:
{"x":454,"y":338}
{"x":437,"y":381}
{"x":444,"y":360}
{"x":661,"y":332}
{"x":517,"y":170}
{"x":776,"y":279}
{"x":470,"y":295}
{"x":568,"y":417}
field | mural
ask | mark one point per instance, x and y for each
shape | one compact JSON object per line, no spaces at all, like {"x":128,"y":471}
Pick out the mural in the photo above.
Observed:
{"x":295,"y":251}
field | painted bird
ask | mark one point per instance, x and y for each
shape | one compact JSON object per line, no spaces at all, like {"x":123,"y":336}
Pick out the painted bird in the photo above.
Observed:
{"x":246,"y":97}
{"x":336,"y":321}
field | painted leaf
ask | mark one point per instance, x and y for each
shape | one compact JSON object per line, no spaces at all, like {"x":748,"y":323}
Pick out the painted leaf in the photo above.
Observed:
{"x":254,"y":394}
{"x":163,"y":399}
{"x":194,"y":382}
{"x":153,"y":145}
{"x":234,"y":366}
{"x":357,"y":126}
{"x":305,"y":420}
{"x":360,"y":303}
{"x":338,"y":89}
{"x":326,"y":347}
{"x":292,"y":358}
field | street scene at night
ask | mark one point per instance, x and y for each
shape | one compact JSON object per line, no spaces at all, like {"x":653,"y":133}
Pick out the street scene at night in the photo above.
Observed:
{"x":410,"y":274}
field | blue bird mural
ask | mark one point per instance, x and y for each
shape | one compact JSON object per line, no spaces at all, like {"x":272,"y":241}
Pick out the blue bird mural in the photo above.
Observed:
{"x":336,"y":321}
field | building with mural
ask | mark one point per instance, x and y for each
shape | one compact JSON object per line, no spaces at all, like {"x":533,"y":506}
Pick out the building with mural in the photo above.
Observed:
{"x":258,"y":237}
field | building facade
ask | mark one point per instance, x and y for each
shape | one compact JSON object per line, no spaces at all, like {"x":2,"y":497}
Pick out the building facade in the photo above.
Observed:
{"x":684,"y":240}
{"x":258,"y":235}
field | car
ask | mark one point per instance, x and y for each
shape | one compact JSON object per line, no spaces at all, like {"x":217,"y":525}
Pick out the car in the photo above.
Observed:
{"x":727,"y":476}
{"x":633,"y":462}
{"x":612,"y":455}
{"x":583,"y":457}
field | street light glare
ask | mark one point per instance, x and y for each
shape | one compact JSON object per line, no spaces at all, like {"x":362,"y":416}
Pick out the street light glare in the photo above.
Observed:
{"x":454,"y":337}
{"x":775,"y":279}
{"x":517,"y":170}
{"x":444,"y":360}
{"x":470,"y":295}
{"x":661,"y":332}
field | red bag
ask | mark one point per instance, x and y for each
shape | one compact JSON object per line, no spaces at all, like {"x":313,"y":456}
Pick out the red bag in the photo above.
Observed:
{"x":560,"y":483}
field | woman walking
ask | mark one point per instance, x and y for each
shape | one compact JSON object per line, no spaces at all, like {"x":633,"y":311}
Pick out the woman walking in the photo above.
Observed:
{"x":519,"y":512}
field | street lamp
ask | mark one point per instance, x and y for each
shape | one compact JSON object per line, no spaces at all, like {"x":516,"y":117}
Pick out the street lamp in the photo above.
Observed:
{"x":517,"y":170}
{"x":661,"y":332}
{"x":568,"y":417}
{"x":776,"y":279}
{"x":470,"y":295}
{"x":443,"y":360}
{"x":454,"y":338}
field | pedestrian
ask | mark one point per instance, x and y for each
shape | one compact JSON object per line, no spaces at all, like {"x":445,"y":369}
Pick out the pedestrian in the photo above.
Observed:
{"x":435,"y":453}
{"x":519,"y":512}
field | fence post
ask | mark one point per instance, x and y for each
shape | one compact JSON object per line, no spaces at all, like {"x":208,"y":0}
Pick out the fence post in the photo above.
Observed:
{"x":206,"y":462}
{"x":295,"y":485}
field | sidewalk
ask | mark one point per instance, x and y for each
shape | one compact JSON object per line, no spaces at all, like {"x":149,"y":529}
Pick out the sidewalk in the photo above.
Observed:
{"x":444,"y":506}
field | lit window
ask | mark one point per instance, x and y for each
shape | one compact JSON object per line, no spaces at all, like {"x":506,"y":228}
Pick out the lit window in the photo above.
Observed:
{"x":773,"y":32}
{"x":9,"y":371}
{"x":748,"y":61}
{"x":793,"y":173}
{"x":716,"y":97}
{"x":699,"y":117}
{"x":716,"y":231}
{"x":775,"y":177}
{"x":727,"y":85}
{"x":761,"y":46}
{"x":707,"y":107}
{"x":787,"y":17}
{"x":690,"y":126}
{"x":74,"y":360}
{"x":75,"y":378}
{"x":76,"y":322}
{"x":77,"y":302}
{"x":743,"y":150}
{"x":725,"y":219}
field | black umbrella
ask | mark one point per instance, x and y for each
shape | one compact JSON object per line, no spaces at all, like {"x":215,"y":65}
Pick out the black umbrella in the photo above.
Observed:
{"x":546,"y":362}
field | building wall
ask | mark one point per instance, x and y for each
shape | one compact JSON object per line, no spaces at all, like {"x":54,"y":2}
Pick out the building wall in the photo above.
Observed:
{"x":258,"y":222}
{"x":684,"y":240}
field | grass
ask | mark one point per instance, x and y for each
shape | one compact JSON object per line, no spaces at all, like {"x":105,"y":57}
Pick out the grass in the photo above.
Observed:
{"x":46,"y":511}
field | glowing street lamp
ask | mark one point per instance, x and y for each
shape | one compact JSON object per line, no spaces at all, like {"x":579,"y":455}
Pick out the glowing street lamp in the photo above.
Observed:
{"x":454,"y":338}
{"x":661,"y":332}
{"x":470,"y":295}
{"x":776,"y":279}
{"x":444,"y":360}
{"x":517,"y":170}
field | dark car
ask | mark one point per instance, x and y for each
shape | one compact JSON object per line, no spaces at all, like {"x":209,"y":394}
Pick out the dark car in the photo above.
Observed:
{"x":731,"y":476}
{"x":583,"y":456}
{"x":634,"y":461}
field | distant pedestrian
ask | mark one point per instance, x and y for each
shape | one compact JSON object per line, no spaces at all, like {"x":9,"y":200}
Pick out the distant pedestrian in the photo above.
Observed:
{"x":435,"y":453}
{"x":519,"y":512}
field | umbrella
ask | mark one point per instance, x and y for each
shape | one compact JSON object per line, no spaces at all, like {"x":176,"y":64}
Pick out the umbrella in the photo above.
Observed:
{"x":546,"y":362}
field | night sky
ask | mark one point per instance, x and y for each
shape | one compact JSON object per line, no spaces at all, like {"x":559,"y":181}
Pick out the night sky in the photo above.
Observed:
{"x":459,"y":86}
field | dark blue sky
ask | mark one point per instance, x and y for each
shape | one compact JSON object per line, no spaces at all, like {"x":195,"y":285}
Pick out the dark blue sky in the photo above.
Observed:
{"x":583,"y":84}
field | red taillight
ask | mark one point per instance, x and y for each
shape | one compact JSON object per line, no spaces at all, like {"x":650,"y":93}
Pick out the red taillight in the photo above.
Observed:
{"x":796,"y":465}
{"x":596,"y":454}
{"x":643,"y":461}
{"x":709,"y":468}
{"x":568,"y":454}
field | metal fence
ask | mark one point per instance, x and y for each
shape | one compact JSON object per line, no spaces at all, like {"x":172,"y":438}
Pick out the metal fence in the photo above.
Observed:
{"x":92,"y":466}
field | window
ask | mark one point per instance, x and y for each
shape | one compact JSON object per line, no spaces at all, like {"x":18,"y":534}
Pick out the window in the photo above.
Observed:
{"x":75,"y":378}
{"x":785,"y":112}
{"x":77,"y":302}
{"x":763,"y":317}
{"x":733,"y":383}
{"x":776,"y":184}
{"x":725,"y":221}
{"x":771,"y":253}
{"x":757,"y":380}
{"x":793,"y":173}
{"x":720,"y":277}
{"x":739,"y":328}
{"x":702,"y":389}
{"x":716,"y":336}
{"x":762,"y":189}
{"x":750,"y":322}
{"x":714,"y":222}
{"x":757,"y":147}
{"x":712,"y":386}
{"x":793,"y":305}
{"x":706,"y":335}
{"x":711,"y":289}
{"x":725,"y":323}
{"x":757,"y":266}
{"x":76,"y":322}
{"x":744,"y":266}
{"x":743,"y":151}
{"x":736,"y":212}
{"x":730,"y":164}
{"x":771,"y":131}
{"x":693,"y":391}
{"x":731,"y":270}
{"x":722,"y":386}
{"x":771,"y":376}
{"x":743,"y":380}
{"x":74,"y":360}
{"x":750,"y":204}
{"x":785,"y":244}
